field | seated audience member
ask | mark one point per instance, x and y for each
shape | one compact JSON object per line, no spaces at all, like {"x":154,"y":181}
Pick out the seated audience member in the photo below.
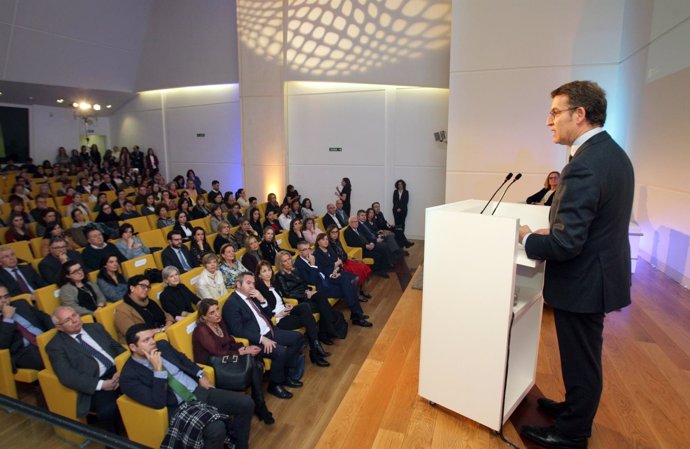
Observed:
{"x":358,"y":268}
{"x":295,"y":234}
{"x":159,"y":376}
{"x":234,"y":215}
{"x":41,"y":205}
{"x":110,"y":280}
{"x":59,"y":252}
{"x":353,"y":238}
{"x":183,"y":205}
{"x":254,"y":216}
{"x":272,"y":204}
{"x":216,"y":217}
{"x":20,"y":323}
{"x":330,"y":218}
{"x":252,"y":255}
{"x":129,"y":244}
{"x":137,"y":308}
{"x":335,"y":287}
{"x":109,"y":219}
{"x":386,"y":237}
{"x":272,"y":222}
{"x":224,"y":237}
{"x":128,"y":211}
{"x":383,"y":225}
{"x":287,"y":316}
{"x":200,"y":210}
{"x":83,"y":358}
{"x":48,"y":217}
{"x":310,"y":230}
{"x":17,"y":208}
{"x":17,"y":278}
{"x":291,"y":195}
{"x":212,"y":338}
{"x":296,"y":210}
{"x":182,"y":225}
{"x":285,"y":218}
{"x":177,"y":254}
{"x":163,"y":219}
{"x":269,"y":247}
{"x":244,"y":316}
{"x":214,"y":192}
{"x":330,"y":265}
{"x":253,"y":202}
{"x":176,"y":298}
{"x":119,"y":202}
{"x":97,"y":249}
{"x":101,"y":200}
{"x":307,"y":209}
{"x":107,"y":184}
{"x":230,"y":267}
{"x":77,"y":291}
{"x":241,"y":198}
{"x":17,"y":230}
{"x":140,"y":197}
{"x":244,"y":232}
{"x":52,"y":231}
{"x":340,"y":212}
{"x":149,"y":207}
{"x":78,"y":203}
{"x":211,"y":283}
{"x":198,"y":245}
{"x":544,"y":197}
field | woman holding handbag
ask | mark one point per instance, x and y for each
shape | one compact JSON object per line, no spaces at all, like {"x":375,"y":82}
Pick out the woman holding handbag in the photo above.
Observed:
{"x":211,"y":342}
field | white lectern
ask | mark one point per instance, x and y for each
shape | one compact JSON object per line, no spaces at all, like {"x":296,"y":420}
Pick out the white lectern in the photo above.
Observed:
{"x":481,"y":299}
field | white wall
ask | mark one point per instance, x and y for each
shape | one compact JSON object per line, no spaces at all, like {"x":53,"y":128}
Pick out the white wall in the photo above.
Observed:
{"x":386,"y":133}
{"x":168,"y":121}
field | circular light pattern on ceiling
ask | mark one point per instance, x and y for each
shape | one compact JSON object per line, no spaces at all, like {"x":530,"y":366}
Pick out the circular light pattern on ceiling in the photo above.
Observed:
{"x":343,"y":37}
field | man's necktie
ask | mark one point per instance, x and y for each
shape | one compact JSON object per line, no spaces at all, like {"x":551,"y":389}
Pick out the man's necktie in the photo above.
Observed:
{"x":180,"y":389}
{"x":31,"y":338}
{"x":20,"y":280}
{"x":107,"y":363}
{"x":183,"y":260}
{"x":256,"y":309}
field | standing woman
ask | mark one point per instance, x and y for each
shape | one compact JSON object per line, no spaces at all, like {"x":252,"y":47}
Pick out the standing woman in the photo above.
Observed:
{"x":345,"y":194}
{"x":400,"y":199}
{"x":152,"y":161}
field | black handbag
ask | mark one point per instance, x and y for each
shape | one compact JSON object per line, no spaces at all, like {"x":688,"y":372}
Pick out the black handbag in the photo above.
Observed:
{"x":233,"y":372}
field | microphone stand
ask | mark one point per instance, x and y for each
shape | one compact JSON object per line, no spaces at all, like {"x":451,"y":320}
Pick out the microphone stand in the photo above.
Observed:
{"x":510,"y":175}
{"x":518,"y":176}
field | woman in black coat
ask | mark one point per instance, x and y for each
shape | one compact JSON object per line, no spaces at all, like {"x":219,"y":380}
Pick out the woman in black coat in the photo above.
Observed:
{"x":400,"y":199}
{"x":545,"y":195}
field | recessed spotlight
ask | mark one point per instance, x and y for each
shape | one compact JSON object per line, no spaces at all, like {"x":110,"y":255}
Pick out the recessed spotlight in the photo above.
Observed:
{"x":75,"y":105}
{"x":0,"y":93}
{"x":60,"y":100}
{"x":97,"y":107}
{"x":109,"y":106}
{"x":84,"y":106}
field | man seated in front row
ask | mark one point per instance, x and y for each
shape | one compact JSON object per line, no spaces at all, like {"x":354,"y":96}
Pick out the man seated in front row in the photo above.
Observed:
{"x":159,"y":376}
{"x":83,"y":358}
{"x":20,"y":323}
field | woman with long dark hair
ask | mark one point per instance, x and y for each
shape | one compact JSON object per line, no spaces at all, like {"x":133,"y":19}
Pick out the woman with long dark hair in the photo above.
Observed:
{"x":344,"y":192}
{"x":110,"y":279}
{"x":76,"y":291}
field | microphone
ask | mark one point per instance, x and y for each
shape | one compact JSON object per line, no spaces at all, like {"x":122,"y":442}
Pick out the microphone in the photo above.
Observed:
{"x":508,"y":176}
{"x":518,"y":176}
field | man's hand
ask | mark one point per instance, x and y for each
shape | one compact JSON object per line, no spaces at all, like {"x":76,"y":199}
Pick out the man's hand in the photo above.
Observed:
{"x":205,"y":383}
{"x":268,"y":344}
{"x":524,"y":230}
{"x":7,"y":311}
{"x":112,"y":383}
{"x":369,"y":246}
{"x":63,"y":257}
{"x":309,"y":293}
{"x":156,"y":359}
{"x":543,"y":231}
{"x":252,"y":350}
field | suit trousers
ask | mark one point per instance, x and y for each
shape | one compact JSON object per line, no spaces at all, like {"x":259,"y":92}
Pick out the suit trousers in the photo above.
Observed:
{"x":349,"y":289}
{"x":319,"y":304}
{"x":29,"y":357}
{"x":237,"y":405}
{"x":104,"y":407}
{"x":284,"y":355}
{"x":580,"y":340}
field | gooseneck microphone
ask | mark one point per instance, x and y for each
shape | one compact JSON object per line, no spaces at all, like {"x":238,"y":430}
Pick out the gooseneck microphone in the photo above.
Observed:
{"x":508,"y":176}
{"x":518,"y":176}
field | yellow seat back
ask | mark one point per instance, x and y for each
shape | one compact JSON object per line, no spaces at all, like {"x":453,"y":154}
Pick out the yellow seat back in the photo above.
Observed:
{"x":191,"y":277}
{"x":47,"y":298}
{"x":140,"y":224}
{"x":180,"y":335}
{"x":106,"y":316}
{"x":138,"y":265}
{"x":22,"y":250}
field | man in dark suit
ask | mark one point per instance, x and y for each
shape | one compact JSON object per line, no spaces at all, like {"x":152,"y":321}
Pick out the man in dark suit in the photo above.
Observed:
{"x":97,"y":249}
{"x":355,"y":239}
{"x":107,"y":184}
{"x":383,"y":225}
{"x":20,"y":323}
{"x":340,"y":213}
{"x":331,"y":287}
{"x":330,"y":218}
{"x":244,"y":315}
{"x":17,"y":278}
{"x":83,"y":358}
{"x":58,"y":253}
{"x":145,"y":378}
{"x":588,"y":255}
{"x":177,"y":254}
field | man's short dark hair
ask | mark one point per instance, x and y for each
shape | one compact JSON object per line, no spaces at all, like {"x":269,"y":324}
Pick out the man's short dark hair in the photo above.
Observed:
{"x":241,"y":276}
{"x":132,"y":334}
{"x":215,"y":181}
{"x":88,"y":230}
{"x":588,"y":95}
{"x":173,"y":233}
{"x":361,"y":211}
{"x":374,"y":204}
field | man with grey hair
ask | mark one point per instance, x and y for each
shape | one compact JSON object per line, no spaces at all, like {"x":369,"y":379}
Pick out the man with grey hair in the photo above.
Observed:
{"x":58,"y":253}
{"x":17,"y":278}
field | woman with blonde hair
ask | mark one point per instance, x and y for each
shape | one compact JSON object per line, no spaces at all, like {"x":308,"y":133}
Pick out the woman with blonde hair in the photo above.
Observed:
{"x":211,"y":283}
{"x":545,"y":195}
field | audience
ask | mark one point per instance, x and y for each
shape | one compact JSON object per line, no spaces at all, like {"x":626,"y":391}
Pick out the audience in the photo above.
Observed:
{"x":137,"y":308}
{"x":210,"y":283}
{"x":111,"y":281}
{"x":77,"y":291}
{"x":176,"y":299}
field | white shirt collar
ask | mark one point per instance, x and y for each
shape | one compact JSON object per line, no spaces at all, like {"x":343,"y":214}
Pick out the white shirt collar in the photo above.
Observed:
{"x":584,"y":138}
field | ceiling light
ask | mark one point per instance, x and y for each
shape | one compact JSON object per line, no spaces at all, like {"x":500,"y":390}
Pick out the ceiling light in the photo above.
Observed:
{"x":97,"y":107}
{"x":84,"y":106}
{"x":0,"y":93}
{"x":109,"y":106}
{"x":60,"y":100}
{"x":75,"y":105}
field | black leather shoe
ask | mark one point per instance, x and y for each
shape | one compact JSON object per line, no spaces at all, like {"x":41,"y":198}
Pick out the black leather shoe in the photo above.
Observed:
{"x":409,"y":244}
{"x":366,"y":317}
{"x":326,"y":340}
{"x":292,"y":383}
{"x":265,"y":415}
{"x":551,"y":407}
{"x":318,"y":360}
{"x":365,"y":294}
{"x":362,"y":322}
{"x":278,"y":391}
{"x":552,"y":438}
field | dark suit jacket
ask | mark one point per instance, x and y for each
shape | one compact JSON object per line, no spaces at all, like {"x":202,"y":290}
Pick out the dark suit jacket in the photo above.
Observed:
{"x":32,"y":278}
{"x":10,"y":337}
{"x":328,"y":220}
{"x":355,"y":240}
{"x":92,"y":257}
{"x":169,"y":257}
{"x":240,"y":319}
{"x":309,"y":274}
{"x":325,"y":260}
{"x":50,"y":266}
{"x":75,"y":367}
{"x":587,"y":251}
{"x":402,"y":202}
{"x":138,"y":382}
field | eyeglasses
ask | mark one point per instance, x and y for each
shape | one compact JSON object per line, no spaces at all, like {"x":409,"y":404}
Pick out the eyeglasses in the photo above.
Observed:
{"x":73,"y":317}
{"x":77,"y":271}
{"x":145,"y":286}
{"x":59,"y":247}
{"x":556,"y":112}
{"x":5,"y":296}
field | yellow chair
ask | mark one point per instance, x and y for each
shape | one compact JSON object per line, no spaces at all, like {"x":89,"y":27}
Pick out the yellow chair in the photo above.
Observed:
{"x":4,"y":229}
{"x":210,"y":238}
{"x":8,"y":378}
{"x":153,"y":221}
{"x":144,"y":425}
{"x":158,"y":259}
{"x":106,"y":316}
{"x":35,"y":244}
{"x":262,"y":208}
{"x":140,"y":224}
{"x":190,"y":278}
{"x":153,"y":238}
{"x":138,"y":265}
{"x":283,"y":242}
{"x":354,"y":253}
{"x":165,"y":230}
{"x":202,"y":223}
{"x":22,"y":250}
{"x":318,"y":221}
{"x":155,"y":292}
{"x":35,"y":263}
{"x":47,"y":298}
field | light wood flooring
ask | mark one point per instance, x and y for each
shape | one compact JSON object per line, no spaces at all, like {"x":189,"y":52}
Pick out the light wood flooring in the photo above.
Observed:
{"x":368,"y":397}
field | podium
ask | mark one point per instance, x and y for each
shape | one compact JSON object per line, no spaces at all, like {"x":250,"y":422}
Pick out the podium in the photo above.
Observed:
{"x":481,"y":310}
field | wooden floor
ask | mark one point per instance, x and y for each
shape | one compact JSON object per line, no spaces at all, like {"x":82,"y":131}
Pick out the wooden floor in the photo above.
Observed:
{"x":368,"y":397}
